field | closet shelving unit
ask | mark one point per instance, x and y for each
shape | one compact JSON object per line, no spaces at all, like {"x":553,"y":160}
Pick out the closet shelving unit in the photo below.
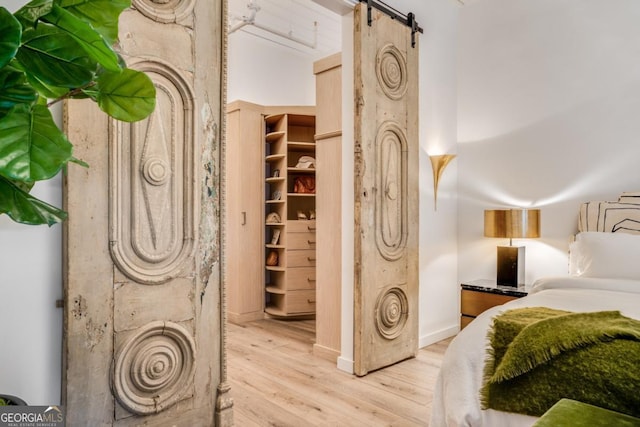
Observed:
{"x":290,"y":284}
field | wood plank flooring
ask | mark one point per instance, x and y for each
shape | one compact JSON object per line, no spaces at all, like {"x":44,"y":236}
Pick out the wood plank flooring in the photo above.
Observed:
{"x":277,"y":381}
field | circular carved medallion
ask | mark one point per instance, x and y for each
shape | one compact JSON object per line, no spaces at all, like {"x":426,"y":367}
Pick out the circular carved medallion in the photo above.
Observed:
{"x":164,"y":10}
{"x":156,"y":171}
{"x":391,"y":69}
{"x":154,"y":368}
{"x":391,"y":313}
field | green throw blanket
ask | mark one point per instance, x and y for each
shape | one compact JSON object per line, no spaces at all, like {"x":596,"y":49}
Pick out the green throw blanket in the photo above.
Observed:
{"x":538,"y":356}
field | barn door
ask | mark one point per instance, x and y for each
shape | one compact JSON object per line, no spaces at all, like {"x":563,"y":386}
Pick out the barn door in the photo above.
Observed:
{"x":386,"y":191}
{"x":144,"y":335}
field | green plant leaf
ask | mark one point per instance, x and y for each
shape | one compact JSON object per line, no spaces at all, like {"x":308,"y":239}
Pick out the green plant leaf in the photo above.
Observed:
{"x":128,"y":96}
{"x":14,"y":88}
{"x":26,"y":209}
{"x":23,"y":186}
{"x":32,"y":148}
{"x":32,"y":11}
{"x":54,"y":57}
{"x":101,"y":14}
{"x":54,"y":50}
{"x":11,"y":31}
{"x":90,"y":40}
{"x":47,"y":91}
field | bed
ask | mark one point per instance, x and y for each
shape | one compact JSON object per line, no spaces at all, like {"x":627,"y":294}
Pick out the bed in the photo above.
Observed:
{"x":604,"y":276}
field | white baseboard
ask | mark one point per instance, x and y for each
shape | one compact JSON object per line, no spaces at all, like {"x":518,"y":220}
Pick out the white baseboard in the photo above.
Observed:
{"x":440,"y":335}
{"x":345,"y":365}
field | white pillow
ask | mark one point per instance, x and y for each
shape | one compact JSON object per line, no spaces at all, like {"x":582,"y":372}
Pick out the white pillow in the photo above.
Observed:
{"x":610,"y":255}
{"x":574,"y":258}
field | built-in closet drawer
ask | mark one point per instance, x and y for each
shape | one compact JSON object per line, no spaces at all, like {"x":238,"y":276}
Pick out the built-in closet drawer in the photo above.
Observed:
{"x":301,"y":226}
{"x":301,"y":258}
{"x":300,"y":301}
{"x":301,"y":278}
{"x":301,"y":240}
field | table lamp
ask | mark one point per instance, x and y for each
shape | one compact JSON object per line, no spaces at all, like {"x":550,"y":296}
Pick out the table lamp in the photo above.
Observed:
{"x":512,"y":224}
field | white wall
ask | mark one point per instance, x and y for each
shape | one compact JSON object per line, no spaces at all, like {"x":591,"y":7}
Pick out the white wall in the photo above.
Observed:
{"x":439,"y":295}
{"x":265,"y":73}
{"x":548,"y":102}
{"x":30,"y":283}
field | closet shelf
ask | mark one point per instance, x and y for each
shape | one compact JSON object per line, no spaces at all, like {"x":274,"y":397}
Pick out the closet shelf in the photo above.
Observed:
{"x":274,"y":289}
{"x":302,"y":146}
{"x":274,"y":136}
{"x":290,"y":288}
{"x":274,"y":158}
{"x":309,"y":171}
{"x":275,"y":311}
{"x":274,"y":179}
{"x":301,"y":195}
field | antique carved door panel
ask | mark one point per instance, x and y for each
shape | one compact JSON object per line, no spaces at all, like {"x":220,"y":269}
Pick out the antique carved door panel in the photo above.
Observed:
{"x":144,"y":336}
{"x":386,"y":192}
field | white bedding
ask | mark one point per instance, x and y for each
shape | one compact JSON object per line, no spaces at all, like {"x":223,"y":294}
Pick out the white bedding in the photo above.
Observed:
{"x":456,"y":398}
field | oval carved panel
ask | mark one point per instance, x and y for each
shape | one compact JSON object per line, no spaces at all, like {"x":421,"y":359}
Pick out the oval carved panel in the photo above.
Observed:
{"x":152,"y":175}
{"x":154,"y":368}
{"x":392,"y":310}
{"x":391,"y":197}
{"x":164,"y":10}
{"x":391,"y":70}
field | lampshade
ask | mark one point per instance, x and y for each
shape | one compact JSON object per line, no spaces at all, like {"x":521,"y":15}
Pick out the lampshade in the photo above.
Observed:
{"x":512,"y":223}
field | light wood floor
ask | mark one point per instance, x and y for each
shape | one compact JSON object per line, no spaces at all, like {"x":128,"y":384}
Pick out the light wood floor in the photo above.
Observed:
{"x":277,"y":381}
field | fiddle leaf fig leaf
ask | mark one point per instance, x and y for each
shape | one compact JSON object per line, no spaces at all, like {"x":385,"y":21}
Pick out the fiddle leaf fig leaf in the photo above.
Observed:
{"x":26,"y":209}
{"x":54,"y":57}
{"x":11,"y":31}
{"x":128,"y":96}
{"x":88,"y":38}
{"x":32,"y":148}
{"x":14,"y":88}
{"x":24,"y":186}
{"x":33,"y":11}
{"x":47,"y":91}
{"x":101,"y":14}
{"x":52,"y":50}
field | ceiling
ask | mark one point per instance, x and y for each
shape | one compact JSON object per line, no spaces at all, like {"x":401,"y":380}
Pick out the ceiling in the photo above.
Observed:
{"x":303,"y":26}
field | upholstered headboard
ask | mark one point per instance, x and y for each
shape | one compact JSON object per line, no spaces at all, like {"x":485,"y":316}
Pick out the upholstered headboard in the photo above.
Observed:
{"x":621,"y":216}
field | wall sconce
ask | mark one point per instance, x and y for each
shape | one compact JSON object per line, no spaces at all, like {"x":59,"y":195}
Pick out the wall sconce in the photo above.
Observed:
{"x":511,"y":223}
{"x":438,"y":163}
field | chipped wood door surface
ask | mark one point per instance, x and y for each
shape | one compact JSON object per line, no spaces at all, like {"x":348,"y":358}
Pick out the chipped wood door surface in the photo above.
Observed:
{"x":143,"y":337}
{"x":386,"y":192}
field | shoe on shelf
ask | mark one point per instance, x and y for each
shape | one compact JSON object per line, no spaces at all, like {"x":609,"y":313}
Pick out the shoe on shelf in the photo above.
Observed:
{"x":301,"y":215}
{"x":312,"y":214}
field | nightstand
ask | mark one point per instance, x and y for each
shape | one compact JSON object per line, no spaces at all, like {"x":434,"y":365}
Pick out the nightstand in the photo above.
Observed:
{"x":477,"y":296}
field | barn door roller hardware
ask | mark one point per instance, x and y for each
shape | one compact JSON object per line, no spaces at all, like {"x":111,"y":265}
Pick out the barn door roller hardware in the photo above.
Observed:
{"x":408,"y":20}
